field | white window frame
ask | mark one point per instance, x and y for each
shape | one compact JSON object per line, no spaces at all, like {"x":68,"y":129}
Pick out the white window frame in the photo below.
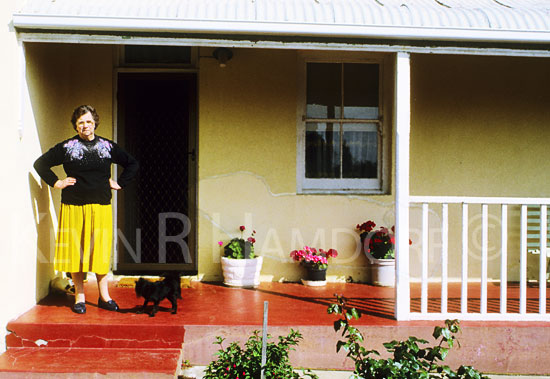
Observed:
{"x":342,"y":186}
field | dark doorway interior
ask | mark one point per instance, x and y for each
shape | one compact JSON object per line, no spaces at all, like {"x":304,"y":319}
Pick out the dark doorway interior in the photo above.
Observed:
{"x":156,"y":215}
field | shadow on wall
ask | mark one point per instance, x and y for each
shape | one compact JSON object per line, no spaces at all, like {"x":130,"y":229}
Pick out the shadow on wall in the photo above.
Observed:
{"x":45,"y":234}
{"x":55,"y":84}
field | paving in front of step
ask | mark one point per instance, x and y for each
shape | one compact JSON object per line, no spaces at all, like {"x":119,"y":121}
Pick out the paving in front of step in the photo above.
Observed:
{"x":197,"y":372}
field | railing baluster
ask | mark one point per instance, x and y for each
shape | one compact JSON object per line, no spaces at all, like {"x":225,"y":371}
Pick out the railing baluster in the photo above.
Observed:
{"x":464,"y":289}
{"x":542,"y":262}
{"x":444,"y":255}
{"x":424,"y":289}
{"x":503,"y":258}
{"x":485,"y":312}
{"x":523,"y":262}
{"x":484,"y":257}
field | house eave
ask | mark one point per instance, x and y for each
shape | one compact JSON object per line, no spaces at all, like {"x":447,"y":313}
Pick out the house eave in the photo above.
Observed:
{"x":31,"y":22}
{"x":380,"y":45}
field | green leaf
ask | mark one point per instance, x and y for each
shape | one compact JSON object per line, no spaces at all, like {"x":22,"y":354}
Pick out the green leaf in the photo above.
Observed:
{"x":446,"y":333}
{"x":333,"y":308}
{"x":339,"y":345}
{"x":437,"y":332}
{"x":443,"y":353}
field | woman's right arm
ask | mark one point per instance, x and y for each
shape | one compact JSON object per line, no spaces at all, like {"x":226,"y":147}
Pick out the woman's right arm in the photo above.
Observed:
{"x":44,"y":164}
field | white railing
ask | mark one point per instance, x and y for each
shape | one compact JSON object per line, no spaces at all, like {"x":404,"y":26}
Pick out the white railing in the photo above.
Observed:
{"x":440,"y":206}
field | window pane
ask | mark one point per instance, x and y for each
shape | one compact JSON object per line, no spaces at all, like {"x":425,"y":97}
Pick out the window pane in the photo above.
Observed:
{"x":324,"y":96}
{"x":157,"y":54}
{"x":360,"y":151}
{"x":322,"y":150}
{"x":361,"y":91}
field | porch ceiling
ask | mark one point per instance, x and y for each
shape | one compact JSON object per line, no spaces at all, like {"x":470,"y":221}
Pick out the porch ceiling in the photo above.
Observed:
{"x":502,"y":21}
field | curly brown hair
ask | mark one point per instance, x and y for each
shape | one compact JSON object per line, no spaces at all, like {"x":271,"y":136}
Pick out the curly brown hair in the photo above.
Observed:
{"x":82,"y":110}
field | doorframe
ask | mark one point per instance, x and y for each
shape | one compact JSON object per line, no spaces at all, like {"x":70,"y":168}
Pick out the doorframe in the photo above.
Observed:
{"x":193,"y":144}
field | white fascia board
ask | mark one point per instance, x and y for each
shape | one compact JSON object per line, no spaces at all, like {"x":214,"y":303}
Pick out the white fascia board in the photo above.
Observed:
{"x":229,"y":27}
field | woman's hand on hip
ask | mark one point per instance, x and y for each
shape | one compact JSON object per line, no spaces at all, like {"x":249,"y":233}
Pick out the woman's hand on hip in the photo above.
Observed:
{"x":114,"y":185}
{"x":68,"y":181}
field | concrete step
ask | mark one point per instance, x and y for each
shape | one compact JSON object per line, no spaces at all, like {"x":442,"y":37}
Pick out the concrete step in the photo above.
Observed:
{"x":58,"y":362}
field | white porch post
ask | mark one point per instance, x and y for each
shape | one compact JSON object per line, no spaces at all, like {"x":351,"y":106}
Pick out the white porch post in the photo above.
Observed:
{"x":22,"y":89}
{"x":402,"y":127}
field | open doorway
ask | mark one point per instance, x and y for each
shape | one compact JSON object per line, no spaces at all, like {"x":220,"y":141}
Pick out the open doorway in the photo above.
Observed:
{"x":156,"y":215}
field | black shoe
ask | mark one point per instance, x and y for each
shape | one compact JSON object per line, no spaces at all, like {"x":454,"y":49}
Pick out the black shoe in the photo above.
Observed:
{"x":108,"y":305}
{"x":79,"y":308}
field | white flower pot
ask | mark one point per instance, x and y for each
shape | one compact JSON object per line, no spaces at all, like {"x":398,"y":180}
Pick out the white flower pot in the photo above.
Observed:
{"x":382,"y":272}
{"x":241,"y":272}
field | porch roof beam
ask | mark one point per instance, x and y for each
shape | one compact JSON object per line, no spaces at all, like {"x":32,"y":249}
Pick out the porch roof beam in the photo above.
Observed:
{"x":48,"y":36}
{"x":259,"y":28}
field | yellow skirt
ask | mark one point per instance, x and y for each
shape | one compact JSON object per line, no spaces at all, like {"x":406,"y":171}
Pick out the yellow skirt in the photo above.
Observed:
{"x":84,"y":238}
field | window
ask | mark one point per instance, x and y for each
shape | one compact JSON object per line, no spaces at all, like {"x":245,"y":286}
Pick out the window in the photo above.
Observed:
{"x":135,"y":55}
{"x":342,"y":129}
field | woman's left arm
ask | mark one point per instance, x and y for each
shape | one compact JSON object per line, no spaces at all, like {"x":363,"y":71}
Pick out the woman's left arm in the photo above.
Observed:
{"x":130,"y":164}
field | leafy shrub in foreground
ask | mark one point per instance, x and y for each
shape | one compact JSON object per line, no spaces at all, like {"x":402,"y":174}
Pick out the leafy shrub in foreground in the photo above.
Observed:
{"x":408,"y":361}
{"x":235,"y":362}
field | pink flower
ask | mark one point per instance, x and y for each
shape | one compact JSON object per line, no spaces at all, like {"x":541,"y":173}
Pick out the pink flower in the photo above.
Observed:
{"x":220,"y":243}
{"x":313,"y":257}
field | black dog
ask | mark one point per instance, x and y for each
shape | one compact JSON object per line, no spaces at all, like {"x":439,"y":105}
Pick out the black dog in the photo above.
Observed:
{"x":168,"y":288}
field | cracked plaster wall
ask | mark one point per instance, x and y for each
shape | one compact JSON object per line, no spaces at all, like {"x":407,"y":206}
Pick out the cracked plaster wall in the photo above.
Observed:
{"x":247,"y":172}
{"x":477,"y":123}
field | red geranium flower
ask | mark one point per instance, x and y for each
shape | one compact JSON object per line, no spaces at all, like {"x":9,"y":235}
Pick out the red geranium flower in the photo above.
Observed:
{"x":380,"y":244}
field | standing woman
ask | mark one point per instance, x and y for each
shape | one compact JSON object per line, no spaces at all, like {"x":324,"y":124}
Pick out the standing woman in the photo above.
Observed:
{"x":85,"y":236}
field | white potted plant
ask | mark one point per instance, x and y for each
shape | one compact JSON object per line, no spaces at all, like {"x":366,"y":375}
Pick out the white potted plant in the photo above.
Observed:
{"x":240,"y":265}
{"x":379,"y":247}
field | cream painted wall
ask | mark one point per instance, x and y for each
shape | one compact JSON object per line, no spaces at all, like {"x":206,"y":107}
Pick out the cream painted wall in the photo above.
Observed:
{"x":247,"y":171}
{"x":18,"y":268}
{"x":480,"y":127}
{"x":477,"y":124}
{"x":58,"y":78}
{"x":477,"y":127}
{"x":61,"y":77}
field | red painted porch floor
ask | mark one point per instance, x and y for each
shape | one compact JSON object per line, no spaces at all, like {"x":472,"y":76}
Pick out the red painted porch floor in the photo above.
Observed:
{"x":51,"y":340}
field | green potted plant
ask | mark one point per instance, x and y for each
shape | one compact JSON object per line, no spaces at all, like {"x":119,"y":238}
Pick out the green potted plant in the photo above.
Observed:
{"x":315,"y":262}
{"x":240,"y":265}
{"x":379,"y":247}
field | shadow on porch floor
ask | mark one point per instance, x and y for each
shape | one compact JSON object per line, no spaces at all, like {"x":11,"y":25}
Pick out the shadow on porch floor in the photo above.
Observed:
{"x":211,"y":309}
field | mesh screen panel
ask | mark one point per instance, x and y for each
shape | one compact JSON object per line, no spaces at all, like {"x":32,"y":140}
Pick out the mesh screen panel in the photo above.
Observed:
{"x":156,"y":125}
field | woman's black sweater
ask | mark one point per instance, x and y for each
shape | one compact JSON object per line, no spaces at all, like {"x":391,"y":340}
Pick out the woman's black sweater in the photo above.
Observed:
{"x":89,"y":162}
